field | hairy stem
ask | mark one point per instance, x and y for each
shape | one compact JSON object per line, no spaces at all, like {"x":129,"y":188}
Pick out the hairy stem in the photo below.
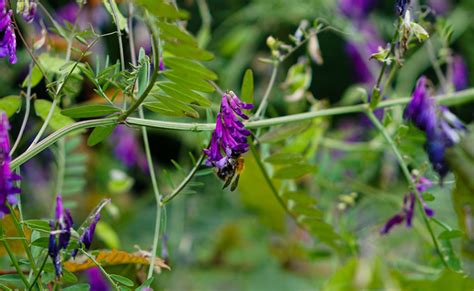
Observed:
{"x":450,"y":99}
{"x":409,"y":179}
{"x":104,"y":272}
{"x":183,"y":184}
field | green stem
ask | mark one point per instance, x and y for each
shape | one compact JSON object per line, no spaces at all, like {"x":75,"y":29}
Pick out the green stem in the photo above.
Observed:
{"x":409,"y":179}
{"x":107,"y":276}
{"x":13,"y":258}
{"x":23,"y":241}
{"x":39,"y":272}
{"x":263,"y":105}
{"x":153,"y":78}
{"x":450,"y":99}
{"x":267,"y":178}
{"x":184,"y":182}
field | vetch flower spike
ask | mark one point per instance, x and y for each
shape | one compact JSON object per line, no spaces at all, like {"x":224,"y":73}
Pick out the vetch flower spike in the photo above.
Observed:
{"x":60,"y":234}
{"x":7,"y":34}
{"x":229,"y":139}
{"x":7,"y":178}
{"x":408,"y":209}
{"x":442,"y":128}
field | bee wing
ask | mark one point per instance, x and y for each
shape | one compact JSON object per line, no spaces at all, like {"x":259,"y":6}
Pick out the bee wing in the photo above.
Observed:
{"x":235,"y":182}
{"x":227,"y":182}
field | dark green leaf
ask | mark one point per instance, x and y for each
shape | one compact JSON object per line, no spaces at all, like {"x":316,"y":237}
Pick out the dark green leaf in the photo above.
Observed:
{"x":294,"y":171}
{"x":299,"y":197}
{"x":247,"y":87}
{"x":78,"y":287}
{"x":41,"y":242}
{"x":191,"y":67}
{"x":85,"y":111}
{"x":173,"y":33}
{"x":57,"y":120}
{"x":189,"y":80}
{"x":284,"y":158}
{"x":99,"y":134}
{"x":183,"y":94}
{"x":122,"y":280}
{"x":187,"y":51}
{"x":280,"y":133}
{"x":10,"y":104}
{"x":37,"y":224}
{"x":36,"y":77}
{"x":450,"y":234}
{"x":161,"y":9}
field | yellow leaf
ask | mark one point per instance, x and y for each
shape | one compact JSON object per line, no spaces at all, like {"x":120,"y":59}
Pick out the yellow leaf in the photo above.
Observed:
{"x":11,"y":232}
{"x":114,"y":257}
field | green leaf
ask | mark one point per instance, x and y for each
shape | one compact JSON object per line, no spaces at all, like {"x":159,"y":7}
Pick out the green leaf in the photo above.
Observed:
{"x":12,"y":279}
{"x":284,"y":158}
{"x":450,"y":256}
{"x":161,"y":9}
{"x":187,"y":51}
{"x":10,"y":104}
{"x":428,"y":197}
{"x":85,"y":111}
{"x":299,"y":197}
{"x":41,"y":242}
{"x":173,"y":33}
{"x":68,"y":277}
{"x":36,"y":77}
{"x":189,"y":80}
{"x":182,"y":65}
{"x":117,"y":16}
{"x":99,"y":134}
{"x":294,"y":171}
{"x":280,"y":133}
{"x":183,"y":94}
{"x":247,"y":87}
{"x":78,"y":287}
{"x":57,"y":120}
{"x":37,"y":224}
{"x":450,"y":234}
{"x":122,"y":280}
{"x":108,"y":235}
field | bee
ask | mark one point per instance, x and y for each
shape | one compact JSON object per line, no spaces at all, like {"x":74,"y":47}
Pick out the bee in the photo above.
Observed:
{"x":230,"y":174}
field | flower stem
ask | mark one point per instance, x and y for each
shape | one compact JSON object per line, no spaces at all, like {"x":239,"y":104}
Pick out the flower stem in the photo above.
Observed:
{"x":409,"y":179}
{"x":39,"y":272}
{"x":107,"y":276}
{"x":449,"y":99}
{"x":263,"y":105}
{"x":13,"y":258}
{"x":184,"y":182}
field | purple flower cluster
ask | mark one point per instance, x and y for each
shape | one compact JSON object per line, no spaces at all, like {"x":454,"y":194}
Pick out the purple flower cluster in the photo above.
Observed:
{"x":96,"y":280}
{"x":127,"y":149}
{"x":27,"y":9}
{"x":7,"y":34}
{"x":401,"y":6}
{"x":60,"y":234}
{"x":356,"y":9}
{"x":229,"y":139}
{"x":7,"y":179}
{"x":459,"y":71}
{"x":442,"y":128}
{"x":408,"y":209}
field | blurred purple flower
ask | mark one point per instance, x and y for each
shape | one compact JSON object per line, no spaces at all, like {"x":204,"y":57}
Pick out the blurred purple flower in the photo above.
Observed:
{"x":360,"y":52}
{"x":27,"y":9}
{"x":7,"y":179}
{"x":90,"y":14}
{"x":441,"y":126}
{"x":401,"y":6}
{"x":127,"y":149}
{"x":60,"y":234}
{"x":459,"y":69}
{"x":7,"y":34}
{"x":408,"y":209}
{"x":356,"y":9}
{"x":96,"y":280}
{"x":440,"y":6}
{"x":161,"y":65}
{"x":229,"y":139}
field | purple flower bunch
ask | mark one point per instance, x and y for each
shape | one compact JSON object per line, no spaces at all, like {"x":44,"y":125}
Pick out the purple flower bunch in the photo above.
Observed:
{"x":127,"y":148}
{"x":8,"y":178}
{"x":60,"y":234}
{"x":408,"y":209}
{"x":459,"y":71}
{"x":356,"y":9}
{"x":442,"y":128}
{"x":229,"y":139}
{"x":7,"y":34}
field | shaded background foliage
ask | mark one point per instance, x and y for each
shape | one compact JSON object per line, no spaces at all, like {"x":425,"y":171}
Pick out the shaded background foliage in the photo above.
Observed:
{"x":243,"y":240}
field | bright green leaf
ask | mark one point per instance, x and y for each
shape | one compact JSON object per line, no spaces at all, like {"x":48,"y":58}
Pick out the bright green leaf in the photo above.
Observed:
{"x":10,"y":104}
{"x":93,"y":110}
{"x":57,"y":120}
{"x":99,"y":134}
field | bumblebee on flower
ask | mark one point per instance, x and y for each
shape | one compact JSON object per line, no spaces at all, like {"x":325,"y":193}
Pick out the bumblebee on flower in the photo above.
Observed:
{"x":229,"y":139}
